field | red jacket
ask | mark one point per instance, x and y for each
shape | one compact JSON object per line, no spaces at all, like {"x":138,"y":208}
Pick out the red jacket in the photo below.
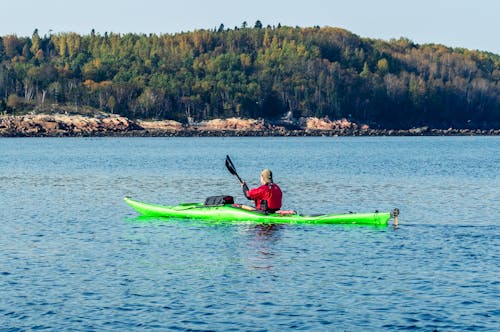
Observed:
{"x":269,"y":192}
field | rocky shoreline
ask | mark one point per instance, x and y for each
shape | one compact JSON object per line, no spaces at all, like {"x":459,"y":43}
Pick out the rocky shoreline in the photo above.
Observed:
{"x":62,"y":125}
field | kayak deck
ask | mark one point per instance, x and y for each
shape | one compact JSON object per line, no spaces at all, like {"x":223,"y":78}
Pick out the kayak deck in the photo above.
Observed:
{"x":235,"y":213}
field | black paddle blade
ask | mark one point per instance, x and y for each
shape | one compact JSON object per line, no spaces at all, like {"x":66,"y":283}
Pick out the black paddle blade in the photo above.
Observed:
{"x":230,"y":166}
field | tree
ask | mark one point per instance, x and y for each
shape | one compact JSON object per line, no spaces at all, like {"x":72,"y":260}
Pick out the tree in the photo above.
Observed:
{"x":111,"y":103}
{"x":365,"y":73}
{"x":55,"y":90}
{"x":382,"y":66}
{"x":2,"y":50}
{"x":258,"y":24}
{"x":35,"y":42}
{"x":3,"y":106}
{"x":12,"y":46}
{"x":14,"y":101}
{"x":272,"y":106}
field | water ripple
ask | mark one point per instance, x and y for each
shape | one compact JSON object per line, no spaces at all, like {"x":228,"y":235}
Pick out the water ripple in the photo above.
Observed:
{"x":74,"y":257}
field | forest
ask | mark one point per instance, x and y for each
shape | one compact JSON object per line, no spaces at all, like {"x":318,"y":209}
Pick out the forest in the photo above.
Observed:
{"x":252,"y":72}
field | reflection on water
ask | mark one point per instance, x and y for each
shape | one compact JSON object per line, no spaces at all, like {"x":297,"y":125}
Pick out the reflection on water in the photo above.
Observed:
{"x":267,"y":231}
{"x":259,"y":239}
{"x":262,"y":240}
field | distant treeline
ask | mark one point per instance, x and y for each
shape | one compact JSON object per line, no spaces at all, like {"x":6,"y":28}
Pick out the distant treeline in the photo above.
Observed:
{"x":256,"y":72}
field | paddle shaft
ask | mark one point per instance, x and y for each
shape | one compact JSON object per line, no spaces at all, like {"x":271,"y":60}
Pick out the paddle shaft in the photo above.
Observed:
{"x":232,"y":170}
{"x":236,"y":174}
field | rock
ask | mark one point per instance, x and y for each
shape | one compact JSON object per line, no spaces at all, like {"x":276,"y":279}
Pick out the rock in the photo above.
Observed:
{"x":160,"y":125}
{"x":418,"y":131}
{"x":63,"y":125}
{"x":104,"y":124}
{"x":327,"y":124}
{"x":233,"y":124}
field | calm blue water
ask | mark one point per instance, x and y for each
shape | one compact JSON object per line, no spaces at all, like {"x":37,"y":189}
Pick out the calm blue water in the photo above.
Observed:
{"x":75,"y":257}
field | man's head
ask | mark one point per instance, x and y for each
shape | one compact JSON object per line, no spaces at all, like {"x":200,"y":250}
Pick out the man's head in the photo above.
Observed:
{"x":266,"y":176}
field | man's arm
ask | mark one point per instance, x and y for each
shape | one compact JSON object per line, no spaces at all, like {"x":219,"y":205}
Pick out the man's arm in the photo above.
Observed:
{"x":245,"y":189}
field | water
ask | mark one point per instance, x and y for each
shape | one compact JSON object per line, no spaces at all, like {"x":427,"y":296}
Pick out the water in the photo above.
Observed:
{"x":75,"y":257}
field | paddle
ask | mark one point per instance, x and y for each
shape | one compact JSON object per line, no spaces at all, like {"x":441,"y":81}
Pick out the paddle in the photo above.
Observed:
{"x":232,"y":170}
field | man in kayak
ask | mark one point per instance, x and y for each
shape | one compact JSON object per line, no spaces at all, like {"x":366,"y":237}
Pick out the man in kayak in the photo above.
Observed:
{"x":268,"y":196}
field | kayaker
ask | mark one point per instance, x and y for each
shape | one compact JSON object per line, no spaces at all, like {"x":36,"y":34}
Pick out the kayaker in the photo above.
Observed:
{"x":268,"y":196}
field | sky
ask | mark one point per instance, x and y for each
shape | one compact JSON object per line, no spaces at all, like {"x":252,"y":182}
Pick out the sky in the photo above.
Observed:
{"x":472,"y":24}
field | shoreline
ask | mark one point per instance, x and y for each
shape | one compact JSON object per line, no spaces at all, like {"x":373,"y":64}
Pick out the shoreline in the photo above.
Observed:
{"x":106,"y":125}
{"x":263,"y":133}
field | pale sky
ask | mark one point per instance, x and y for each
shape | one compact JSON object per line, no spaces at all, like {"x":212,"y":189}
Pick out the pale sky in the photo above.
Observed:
{"x":473,"y":24}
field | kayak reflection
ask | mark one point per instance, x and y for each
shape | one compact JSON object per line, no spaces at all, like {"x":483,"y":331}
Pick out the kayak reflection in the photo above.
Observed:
{"x":261,"y":242}
{"x":262,"y":230}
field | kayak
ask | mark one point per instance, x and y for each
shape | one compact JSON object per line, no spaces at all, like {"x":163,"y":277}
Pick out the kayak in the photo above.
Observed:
{"x":235,"y":212}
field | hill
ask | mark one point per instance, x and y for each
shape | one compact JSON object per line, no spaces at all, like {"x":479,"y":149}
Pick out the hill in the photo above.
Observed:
{"x":253,"y":73}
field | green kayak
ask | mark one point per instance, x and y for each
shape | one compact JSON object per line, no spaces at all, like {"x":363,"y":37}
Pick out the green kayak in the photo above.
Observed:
{"x":234,"y":212}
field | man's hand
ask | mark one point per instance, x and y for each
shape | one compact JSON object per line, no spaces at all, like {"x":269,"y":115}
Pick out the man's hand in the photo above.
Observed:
{"x":245,"y":188}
